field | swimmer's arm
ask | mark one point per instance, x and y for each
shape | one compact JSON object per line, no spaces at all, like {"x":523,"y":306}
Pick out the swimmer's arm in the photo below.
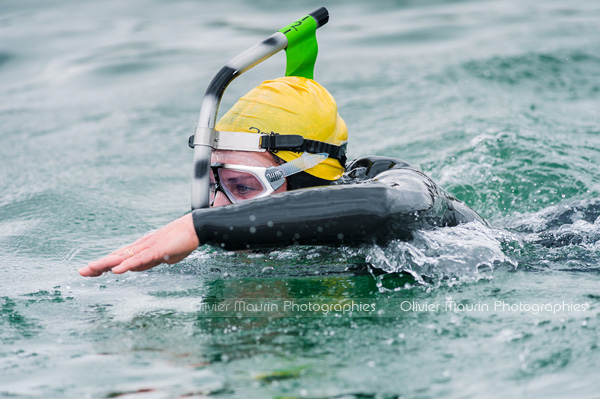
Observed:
{"x":327,"y":215}
{"x":347,"y":215}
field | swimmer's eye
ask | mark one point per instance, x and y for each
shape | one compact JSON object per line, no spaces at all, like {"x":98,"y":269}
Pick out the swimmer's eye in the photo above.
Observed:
{"x":245,"y":191}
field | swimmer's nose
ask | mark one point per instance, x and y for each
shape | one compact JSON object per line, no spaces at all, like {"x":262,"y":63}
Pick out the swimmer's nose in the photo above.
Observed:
{"x":221,"y":200}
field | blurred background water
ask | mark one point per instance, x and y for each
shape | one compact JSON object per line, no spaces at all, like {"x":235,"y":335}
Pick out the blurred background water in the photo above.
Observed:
{"x":496,"y":100}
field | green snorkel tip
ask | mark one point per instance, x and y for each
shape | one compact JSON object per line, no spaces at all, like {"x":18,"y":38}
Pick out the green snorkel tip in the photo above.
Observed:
{"x":302,"y":49}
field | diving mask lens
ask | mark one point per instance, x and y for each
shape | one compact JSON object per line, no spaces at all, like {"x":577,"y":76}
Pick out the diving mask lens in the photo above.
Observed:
{"x":238,"y":182}
{"x":240,"y":185}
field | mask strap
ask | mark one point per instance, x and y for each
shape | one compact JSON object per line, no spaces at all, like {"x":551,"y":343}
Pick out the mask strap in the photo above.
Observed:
{"x":276,"y":174}
{"x":243,"y":141}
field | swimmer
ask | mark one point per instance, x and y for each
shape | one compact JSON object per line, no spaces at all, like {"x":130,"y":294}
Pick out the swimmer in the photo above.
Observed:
{"x":296,"y":192}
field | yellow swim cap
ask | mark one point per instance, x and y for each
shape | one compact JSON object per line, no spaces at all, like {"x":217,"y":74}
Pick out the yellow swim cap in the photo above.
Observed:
{"x":291,"y":105}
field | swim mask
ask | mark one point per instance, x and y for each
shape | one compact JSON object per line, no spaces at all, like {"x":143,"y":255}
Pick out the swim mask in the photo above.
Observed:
{"x":241,"y":182}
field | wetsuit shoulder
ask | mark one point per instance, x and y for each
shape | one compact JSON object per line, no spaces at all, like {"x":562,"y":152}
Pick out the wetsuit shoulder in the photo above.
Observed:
{"x":406,"y":180}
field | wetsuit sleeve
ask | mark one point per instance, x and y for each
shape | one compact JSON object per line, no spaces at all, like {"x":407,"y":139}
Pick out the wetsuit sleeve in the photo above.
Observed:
{"x":372,"y":212}
{"x":324,"y":215}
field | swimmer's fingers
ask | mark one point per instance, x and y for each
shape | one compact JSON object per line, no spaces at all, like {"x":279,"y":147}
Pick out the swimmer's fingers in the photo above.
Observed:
{"x":154,"y":256}
{"x":146,"y":259}
{"x":107,"y":263}
{"x":170,"y":244}
{"x":86,"y":271}
{"x":129,"y":250}
{"x":96,"y":268}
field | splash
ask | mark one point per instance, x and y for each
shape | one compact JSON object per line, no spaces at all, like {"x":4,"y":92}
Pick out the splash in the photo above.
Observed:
{"x":450,"y":255}
{"x":464,"y":253}
{"x":565,"y":236}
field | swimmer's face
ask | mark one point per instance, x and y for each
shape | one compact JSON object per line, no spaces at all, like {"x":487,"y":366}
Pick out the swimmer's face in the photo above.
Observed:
{"x":261,"y":159}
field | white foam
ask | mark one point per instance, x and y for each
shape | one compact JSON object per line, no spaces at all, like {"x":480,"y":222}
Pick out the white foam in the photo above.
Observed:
{"x":467,"y":252}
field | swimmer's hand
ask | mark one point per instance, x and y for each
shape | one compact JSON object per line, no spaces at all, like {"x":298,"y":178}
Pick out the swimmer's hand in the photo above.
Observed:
{"x":170,"y":244}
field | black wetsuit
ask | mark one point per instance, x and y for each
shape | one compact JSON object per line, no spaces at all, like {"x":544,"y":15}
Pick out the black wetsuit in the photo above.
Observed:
{"x":377,"y":200}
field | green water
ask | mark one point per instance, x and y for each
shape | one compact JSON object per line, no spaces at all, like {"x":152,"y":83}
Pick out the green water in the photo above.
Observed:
{"x":496,"y":100}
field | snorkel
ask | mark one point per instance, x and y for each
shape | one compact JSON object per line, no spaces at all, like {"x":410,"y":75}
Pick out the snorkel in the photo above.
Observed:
{"x":299,"y":41}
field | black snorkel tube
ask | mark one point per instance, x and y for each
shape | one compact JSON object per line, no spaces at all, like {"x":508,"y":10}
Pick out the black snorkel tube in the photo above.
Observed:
{"x":298,"y":39}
